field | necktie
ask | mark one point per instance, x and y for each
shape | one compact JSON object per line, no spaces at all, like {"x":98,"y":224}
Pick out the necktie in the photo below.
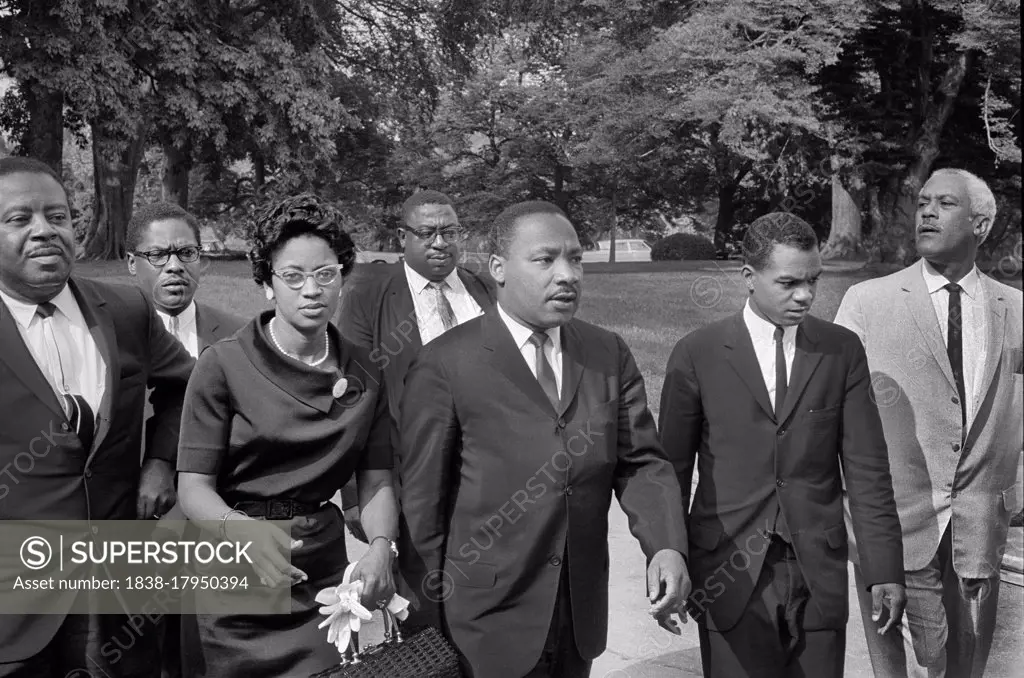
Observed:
{"x":79,"y":413}
{"x":954,"y":344}
{"x":545,"y":373}
{"x":781,"y":388}
{"x":441,"y":303}
{"x":780,"y":373}
{"x":176,"y":327}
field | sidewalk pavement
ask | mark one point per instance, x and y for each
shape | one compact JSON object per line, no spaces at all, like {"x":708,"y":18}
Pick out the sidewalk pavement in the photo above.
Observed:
{"x":639,"y":648}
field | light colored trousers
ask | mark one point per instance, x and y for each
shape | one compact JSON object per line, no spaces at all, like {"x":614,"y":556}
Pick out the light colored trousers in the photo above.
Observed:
{"x":947,"y":628}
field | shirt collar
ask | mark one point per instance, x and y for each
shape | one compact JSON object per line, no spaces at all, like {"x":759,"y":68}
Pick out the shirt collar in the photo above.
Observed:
{"x":935,"y":281}
{"x":186,"y":318}
{"x":521,"y":333}
{"x":417,"y":283}
{"x":763,"y":331}
{"x":23,"y":312}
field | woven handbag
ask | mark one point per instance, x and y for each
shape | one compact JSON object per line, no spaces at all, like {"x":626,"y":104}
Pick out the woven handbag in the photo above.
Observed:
{"x":425,"y":654}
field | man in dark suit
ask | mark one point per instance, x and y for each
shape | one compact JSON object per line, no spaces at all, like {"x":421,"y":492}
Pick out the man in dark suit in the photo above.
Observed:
{"x":76,"y":357}
{"x":775,"y":406}
{"x":396,"y":313}
{"x":516,"y":430}
{"x":163,"y":243}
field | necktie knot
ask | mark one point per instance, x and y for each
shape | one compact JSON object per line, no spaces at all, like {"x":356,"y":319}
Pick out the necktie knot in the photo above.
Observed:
{"x":538,"y":339}
{"x":953,"y":288}
{"x":46,"y":309}
{"x":779,"y":333}
{"x":440,"y":285}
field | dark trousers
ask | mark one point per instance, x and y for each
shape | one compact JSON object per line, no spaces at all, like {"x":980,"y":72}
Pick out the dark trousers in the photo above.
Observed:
{"x":94,"y":646}
{"x":769,"y":640}
{"x":560,"y":658}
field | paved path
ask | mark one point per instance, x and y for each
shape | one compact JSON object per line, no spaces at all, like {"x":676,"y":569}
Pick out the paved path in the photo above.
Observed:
{"x":639,"y":648}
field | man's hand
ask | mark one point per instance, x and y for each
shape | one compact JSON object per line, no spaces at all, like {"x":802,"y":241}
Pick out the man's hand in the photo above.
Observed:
{"x":668,"y":587}
{"x":156,"y":489}
{"x":892,"y":596}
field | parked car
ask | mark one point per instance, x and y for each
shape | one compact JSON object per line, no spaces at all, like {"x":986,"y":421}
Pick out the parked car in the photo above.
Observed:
{"x":627,"y":249}
{"x":368,"y":257}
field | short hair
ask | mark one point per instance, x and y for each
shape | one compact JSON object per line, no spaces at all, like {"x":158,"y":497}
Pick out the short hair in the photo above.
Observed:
{"x":421,"y":198}
{"x":776,"y":228}
{"x":146,"y":215}
{"x":503,"y":229}
{"x":299,"y":215}
{"x":15,"y":164}
{"x":982,"y":201}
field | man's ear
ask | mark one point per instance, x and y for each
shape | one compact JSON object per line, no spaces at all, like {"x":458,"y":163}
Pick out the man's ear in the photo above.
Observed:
{"x":496,"y":266}
{"x":131,"y":263}
{"x":982,"y":227}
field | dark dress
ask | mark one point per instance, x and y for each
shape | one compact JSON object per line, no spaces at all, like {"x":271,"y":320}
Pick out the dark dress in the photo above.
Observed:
{"x":269,"y":427}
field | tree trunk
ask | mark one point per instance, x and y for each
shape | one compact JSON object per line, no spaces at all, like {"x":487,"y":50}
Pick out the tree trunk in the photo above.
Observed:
{"x":45,"y":134}
{"x":902,"y":200}
{"x":259,"y":167}
{"x":845,"y":240}
{"x":115,"y":170}
{"x":615,"y":223}
{"x":559,"y":196}
{"x":177,"y":165}
{"x":726,"y":210}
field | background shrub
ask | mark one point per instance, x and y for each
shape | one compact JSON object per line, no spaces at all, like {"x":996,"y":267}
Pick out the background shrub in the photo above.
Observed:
{"x":683,"y":246}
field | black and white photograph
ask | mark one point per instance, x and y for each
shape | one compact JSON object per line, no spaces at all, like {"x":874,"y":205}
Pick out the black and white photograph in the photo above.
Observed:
{"x":511,"y":339}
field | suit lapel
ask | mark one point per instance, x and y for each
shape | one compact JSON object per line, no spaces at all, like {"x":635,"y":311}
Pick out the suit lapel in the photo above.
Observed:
{"x":97,"y":318}
{"x":919,"y":304}
{"x":22,"y":363}
{"x":573,"y":361}
{"x":744,"y":361}
{"x":206,"y":327}
{"x":508,"y":360}
{"x":995,"y":330}
{"x":476,"y":289}
{"x":805,"y":362}
{"x":402,"y":311}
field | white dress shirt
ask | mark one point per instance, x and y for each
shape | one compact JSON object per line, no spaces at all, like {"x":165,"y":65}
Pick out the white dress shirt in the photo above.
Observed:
{"x":973,"y":331}
{"x":552,"y":350}
{"x":427,"y":316}
{"x":762,"y":335}
{"x":187,"y":332}
{"x":81,"y":364}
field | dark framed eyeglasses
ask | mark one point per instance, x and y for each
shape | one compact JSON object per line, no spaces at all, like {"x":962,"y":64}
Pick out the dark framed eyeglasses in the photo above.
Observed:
{"x":448,"y":233}
{"x":186,"y":255}
{"x":323,"y":276}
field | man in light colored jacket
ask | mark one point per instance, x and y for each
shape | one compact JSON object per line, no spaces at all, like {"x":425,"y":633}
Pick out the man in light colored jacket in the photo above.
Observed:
{"x":943,"y":343}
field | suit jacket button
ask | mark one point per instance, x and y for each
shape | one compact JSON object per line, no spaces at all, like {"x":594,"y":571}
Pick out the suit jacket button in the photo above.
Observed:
{"x":956,"y":447}
{"x":88,"y":473}
{"x":780,"y":482}
{"x":555,"y":560}
{"x":956,"y":401}
{"x":568,"y":489}
{"x":65,"y":427}
{"x":561,"y":424}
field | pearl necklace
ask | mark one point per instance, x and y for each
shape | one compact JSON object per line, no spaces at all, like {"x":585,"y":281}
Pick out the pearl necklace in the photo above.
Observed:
{"x":327,"y":347}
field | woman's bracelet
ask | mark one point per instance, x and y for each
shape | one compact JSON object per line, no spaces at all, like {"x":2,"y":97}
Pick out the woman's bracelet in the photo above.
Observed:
{"x":224,"y":522}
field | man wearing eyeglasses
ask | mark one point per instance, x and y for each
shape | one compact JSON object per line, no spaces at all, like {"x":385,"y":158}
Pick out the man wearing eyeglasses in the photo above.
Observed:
{"x":76,"y":358}
{"x":163,"y":256}
{"x":395,"y":314}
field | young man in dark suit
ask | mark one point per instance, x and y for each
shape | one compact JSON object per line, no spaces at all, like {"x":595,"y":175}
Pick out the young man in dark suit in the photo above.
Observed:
{"x":76,"y":358}
{"x":774,"y":406}
{"x":516,"y":430}
{"x":395,"y":314}
{"x":163,"y":243}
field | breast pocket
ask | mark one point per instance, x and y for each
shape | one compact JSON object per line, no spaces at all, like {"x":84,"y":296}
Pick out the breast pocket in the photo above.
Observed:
{"x":823,"y":415}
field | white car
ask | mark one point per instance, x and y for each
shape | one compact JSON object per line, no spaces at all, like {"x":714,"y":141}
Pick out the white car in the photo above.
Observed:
{"x":368,"y":257}
{"x":627,"y":249}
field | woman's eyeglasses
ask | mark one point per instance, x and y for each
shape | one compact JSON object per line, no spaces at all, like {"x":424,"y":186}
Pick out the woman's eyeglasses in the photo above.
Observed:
{"x":323,"y":276}
{"x":158,"y":258}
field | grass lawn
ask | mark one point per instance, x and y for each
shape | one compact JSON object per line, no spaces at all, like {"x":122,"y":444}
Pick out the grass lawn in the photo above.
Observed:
{"x":651,"y":310}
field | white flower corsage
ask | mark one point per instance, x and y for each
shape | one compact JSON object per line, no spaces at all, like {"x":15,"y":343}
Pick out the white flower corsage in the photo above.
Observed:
{"x":345,"y":614}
